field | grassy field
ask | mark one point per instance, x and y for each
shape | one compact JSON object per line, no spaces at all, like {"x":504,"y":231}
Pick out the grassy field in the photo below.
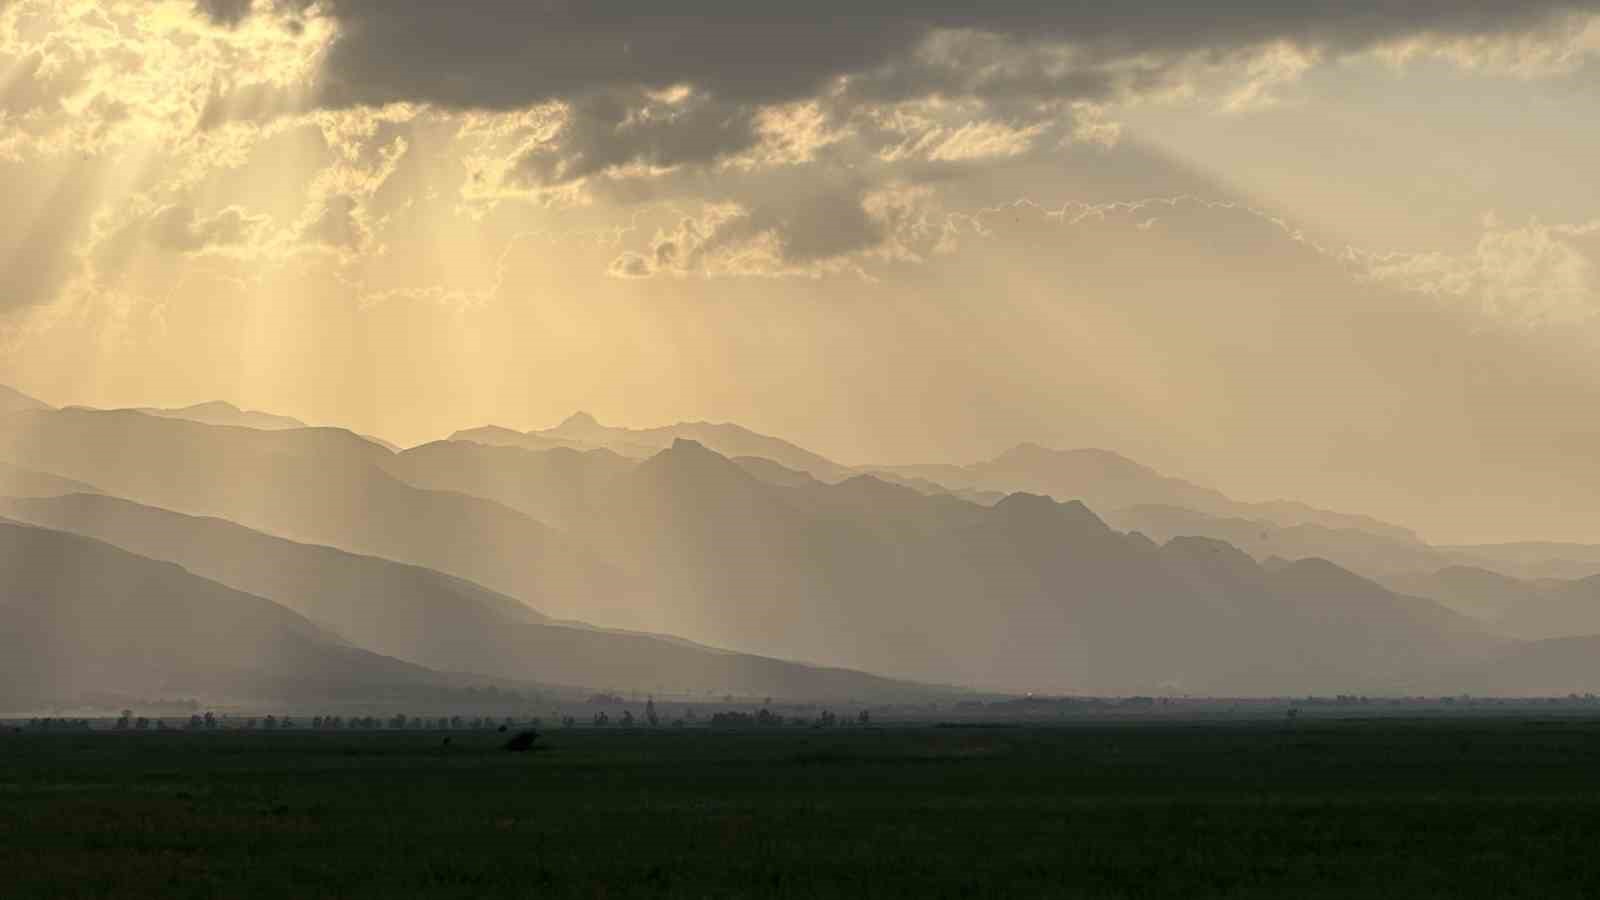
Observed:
{"x":1393,"y":808}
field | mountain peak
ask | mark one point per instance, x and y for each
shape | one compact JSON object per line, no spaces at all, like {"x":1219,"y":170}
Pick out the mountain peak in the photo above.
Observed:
{"x":1036,"y":509}
{"x":579,"y":422}
{"x":211,"y":406}
{"x":690,"y":463}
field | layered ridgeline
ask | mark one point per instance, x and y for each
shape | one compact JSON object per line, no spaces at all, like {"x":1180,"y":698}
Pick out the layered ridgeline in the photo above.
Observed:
{"x":78,"y":616}
{"x":1027,"y":593}
{"x":1520,"y":607}
{"x":436,"y":620}
{"x":1131,"y":496}
{"x":315,"y":485}
{"x":785,"y":558}
{"x":581,"y":431}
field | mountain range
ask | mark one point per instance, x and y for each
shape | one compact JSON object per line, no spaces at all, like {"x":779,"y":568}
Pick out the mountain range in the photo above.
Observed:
{"x":702,"y":558}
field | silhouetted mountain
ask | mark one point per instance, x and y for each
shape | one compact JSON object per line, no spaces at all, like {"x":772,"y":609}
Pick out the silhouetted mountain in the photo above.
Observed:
{"x":581,"y":431}
{"x":1028,"y":593}
{"x":1531,"y":559}
{"x":78,"y":615}
{"x":496,"y":436}
{"x":1525,"y":608}
{"x":1110,"y":481}
{"x":217,"y":412}
{"x":1369,"y":552}
{"x":322,"y":486}
{"x":551,"y":486}
{"x":760,"y":555}
{"x":435,"y":620}
{"x":13,"y":400}
{"x":773,"y":473}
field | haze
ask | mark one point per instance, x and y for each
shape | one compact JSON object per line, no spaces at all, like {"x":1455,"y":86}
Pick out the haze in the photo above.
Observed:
{"x":1229,"y":311}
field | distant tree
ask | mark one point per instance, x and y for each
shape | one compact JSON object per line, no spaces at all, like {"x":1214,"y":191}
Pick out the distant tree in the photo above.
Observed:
{"x":195,"y":722}
{"x":398,"y":720}
{"x":766,"y":719}
{"x":211,"y":721}
{"x":568,"y":721}
{"x":650,"y":712}
{"x":601,"y":720}
{"x":627,"y":719}
{"x":141,"y":724}
{"x":863,"y":718}
{"x":286,"y":722}
{"x":270,"y":722}
{"x":124,"y":720}
{"x":316,"y":722}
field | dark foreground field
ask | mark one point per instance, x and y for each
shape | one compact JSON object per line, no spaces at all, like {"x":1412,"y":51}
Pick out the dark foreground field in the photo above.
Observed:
{"x":1499,"y":808}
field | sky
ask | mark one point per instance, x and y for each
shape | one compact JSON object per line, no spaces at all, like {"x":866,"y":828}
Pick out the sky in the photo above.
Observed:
{"x":1344,"y":253}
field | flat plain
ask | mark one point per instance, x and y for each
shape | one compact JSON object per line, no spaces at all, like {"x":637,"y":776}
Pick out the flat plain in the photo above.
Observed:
{"x":1427,"y":807}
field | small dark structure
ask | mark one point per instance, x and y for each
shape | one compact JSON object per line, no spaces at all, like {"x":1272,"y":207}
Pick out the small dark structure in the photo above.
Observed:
{"x":522,"y":741}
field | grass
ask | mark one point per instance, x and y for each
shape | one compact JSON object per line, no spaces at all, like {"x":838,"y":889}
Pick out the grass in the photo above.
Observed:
{"x":1395,"y":808}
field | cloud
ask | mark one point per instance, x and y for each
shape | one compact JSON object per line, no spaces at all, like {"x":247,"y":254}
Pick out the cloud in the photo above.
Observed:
{"x":833,"y":229}
{"x":1524,"y":276}
{"x":224,"y":12}
{"x":179,"y":228}
{"x":506,"y":54}
{"x":627,"y":92}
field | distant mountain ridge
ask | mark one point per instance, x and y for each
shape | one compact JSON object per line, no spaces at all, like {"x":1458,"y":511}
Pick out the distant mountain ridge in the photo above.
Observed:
{"x":1109,"y":481}
{"x":1029,"y":592}
{"x":1043,"y":570}
{"x":436,"y":620}
{"x":321,"y":486}
{"x":218,"y":412}
{"x":582,"y":431}
{"x":78,"y":615}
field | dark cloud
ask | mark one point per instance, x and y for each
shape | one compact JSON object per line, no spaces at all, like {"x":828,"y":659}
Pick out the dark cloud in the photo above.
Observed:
{"x":502,"y":54}
{"x":609,"y":60}
{"x":224,"y":12}
{"x":616,"y":129}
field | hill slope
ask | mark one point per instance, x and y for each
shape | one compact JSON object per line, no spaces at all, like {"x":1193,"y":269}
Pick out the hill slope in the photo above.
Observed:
{"x":78,"y":615}
{"x":13,"y":401}
{"x":318,"y":485}
{"x":436,"y":620}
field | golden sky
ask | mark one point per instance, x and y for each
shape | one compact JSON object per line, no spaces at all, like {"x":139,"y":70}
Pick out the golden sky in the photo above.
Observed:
{"x":1339,"y":252}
